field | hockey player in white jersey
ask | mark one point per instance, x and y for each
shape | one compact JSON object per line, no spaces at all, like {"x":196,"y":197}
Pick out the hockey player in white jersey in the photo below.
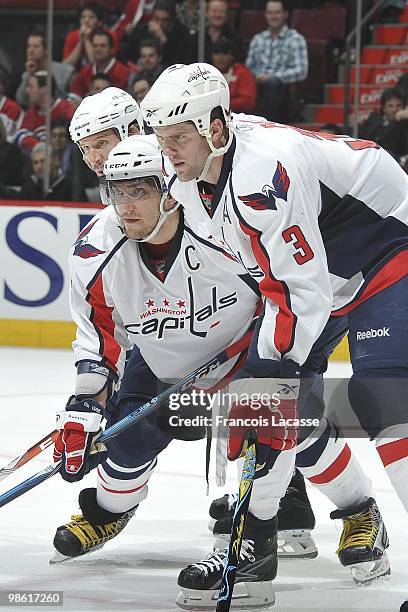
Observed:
{"x":325,"y":219}
{"x":139,"y":277}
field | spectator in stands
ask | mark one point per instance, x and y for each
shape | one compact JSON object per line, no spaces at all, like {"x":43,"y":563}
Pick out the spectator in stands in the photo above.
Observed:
{"x":188,"y":15}
{"x":403,"y":85}
{"x":389,"y":127}
{"x":99,"y":82}
{"x":277,"y":56}
{"x":11,"y":114}
{"x":241,"y":81}
{"x":391,"y":11}
{"x":11,"y":161}
{"x":78,"y":51}
{"x":62,"y":144}
{"x":149,"y":60}
{"x":32,"y":129}
{"x":141,"y":85}
{"x":177,"y":46}
{"x":104,"y":61}
{"x":217,"y":27}
{"x":60,"y":185}
{"x":136,"y":11}
{"x":37,"y":59}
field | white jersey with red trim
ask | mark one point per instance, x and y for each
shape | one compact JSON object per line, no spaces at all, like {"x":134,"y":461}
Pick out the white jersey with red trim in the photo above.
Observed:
{"x":205,"y":302}
{"x":321,"y":221}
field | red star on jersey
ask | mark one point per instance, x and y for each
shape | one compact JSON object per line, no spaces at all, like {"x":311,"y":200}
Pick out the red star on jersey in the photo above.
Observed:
{"x":149,"y":303}
{"x":181,"y":304}
{"x":165,"y":302}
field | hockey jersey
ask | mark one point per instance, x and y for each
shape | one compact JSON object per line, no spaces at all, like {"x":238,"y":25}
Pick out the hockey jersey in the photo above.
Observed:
{"x":33,"y":129}
{"x":320,"y":221}
{"x":11,"y":115}
{"x":205,"y":301}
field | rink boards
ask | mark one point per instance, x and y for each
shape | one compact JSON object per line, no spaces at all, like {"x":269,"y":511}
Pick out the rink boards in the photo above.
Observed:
{"x":35,"y":240}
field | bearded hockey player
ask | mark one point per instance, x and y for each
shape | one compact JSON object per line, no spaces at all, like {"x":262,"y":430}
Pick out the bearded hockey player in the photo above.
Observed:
{"x":325,"y":220}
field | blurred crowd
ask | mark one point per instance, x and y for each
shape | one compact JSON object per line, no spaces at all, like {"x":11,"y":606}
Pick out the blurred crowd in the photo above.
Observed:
{"x":130,"y":53}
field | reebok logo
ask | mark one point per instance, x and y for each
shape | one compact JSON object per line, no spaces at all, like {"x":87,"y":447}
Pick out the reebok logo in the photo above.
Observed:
{"x":374,"y":333}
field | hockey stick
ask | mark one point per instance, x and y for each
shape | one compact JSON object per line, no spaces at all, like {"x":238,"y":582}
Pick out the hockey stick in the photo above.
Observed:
{"x":137,"y":415}
{"x":29,"y":454}
{"x":238,"y":525}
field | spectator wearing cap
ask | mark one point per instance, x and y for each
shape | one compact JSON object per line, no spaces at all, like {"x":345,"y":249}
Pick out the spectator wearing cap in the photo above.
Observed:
{"x":277,"y":56}
{"x":149,"y":61}
{"x":104,"y":62}
{"x":78,"y":50}
{"x":240,"y":79}
{"x":37,"y":59}
{"x":11,"y":114}
{"x":33,"y":128}
{"x":141,"y":85}
{"x":217,"y":28}
{"x":99,"y":82}
{"x":60,"y":185}
{"x":177,"y":46}
{"x":136,"y":11}
{"x":389,"y":126}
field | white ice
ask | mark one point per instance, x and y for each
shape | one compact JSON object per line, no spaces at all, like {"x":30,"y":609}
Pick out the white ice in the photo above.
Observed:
{"x":138,"y":570}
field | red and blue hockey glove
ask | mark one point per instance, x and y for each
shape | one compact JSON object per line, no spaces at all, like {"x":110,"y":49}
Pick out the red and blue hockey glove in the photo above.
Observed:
{"x":78,"y":424}
{"x":268,"y":406}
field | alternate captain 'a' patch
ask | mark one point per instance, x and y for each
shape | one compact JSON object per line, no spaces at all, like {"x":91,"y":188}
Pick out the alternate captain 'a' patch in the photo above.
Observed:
{"x":266,"y":198}
{"x":82,"y":247}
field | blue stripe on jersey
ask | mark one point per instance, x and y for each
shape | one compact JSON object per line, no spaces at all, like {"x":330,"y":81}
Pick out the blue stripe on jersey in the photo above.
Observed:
{"x":355,"y":237}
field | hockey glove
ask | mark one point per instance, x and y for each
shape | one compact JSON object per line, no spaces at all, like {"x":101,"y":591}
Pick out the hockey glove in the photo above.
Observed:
{"x":267,"y":406}
{"x":78,"y":424}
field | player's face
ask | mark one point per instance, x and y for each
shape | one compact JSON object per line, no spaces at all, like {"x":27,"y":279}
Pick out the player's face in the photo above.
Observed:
{"x":185,"y":148}
{"x":137,"y":203}
{"x":96,"y":148}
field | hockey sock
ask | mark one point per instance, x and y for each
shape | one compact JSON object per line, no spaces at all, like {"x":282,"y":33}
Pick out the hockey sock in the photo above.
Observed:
{"x":327,"y":462}
{"x":392,"y":446}
{"x":121,"y":488}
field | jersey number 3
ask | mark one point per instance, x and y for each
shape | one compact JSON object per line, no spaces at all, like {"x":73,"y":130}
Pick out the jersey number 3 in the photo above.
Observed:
{"x":294,"y":235}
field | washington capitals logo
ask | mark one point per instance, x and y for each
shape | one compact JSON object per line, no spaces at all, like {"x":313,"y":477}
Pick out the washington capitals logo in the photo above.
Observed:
{"x":266,"y":199}
{"x":82,"y":247}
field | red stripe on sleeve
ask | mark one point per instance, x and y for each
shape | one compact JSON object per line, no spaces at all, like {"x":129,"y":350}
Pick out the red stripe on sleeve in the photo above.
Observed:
{"x":335,"y":469}
{"x":275,"y":291}
{"x":104,"y":323}
{"x":393,"y":451}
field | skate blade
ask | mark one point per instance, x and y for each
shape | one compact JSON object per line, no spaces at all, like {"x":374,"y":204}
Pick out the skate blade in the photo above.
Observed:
{"x":60,"y":558}
{"x":246,"y":596}
{"x":365,"y":573}
{"x":296,"y":544}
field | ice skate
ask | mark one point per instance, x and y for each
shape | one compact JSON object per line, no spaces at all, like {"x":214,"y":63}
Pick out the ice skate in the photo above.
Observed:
{"x":200,"y":582}
{"x":89,"y":531}
{"x":295,"y":521}
{"x":363,"y":542}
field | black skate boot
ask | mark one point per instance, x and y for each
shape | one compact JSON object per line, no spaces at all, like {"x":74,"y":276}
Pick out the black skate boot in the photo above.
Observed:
{"x":363,"y":542}
{"x":200,"y":582}
{"x":295,"y":520}
{"x":90,"y":531}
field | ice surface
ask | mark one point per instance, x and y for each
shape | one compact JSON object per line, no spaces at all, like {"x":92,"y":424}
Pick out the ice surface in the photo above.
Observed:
{"x":138,"y":570}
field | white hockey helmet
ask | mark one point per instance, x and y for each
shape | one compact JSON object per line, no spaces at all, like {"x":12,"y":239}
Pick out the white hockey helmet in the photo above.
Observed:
{"x":189,"y":92}
{"x":137,"y":157}
{"x":111,"y":108}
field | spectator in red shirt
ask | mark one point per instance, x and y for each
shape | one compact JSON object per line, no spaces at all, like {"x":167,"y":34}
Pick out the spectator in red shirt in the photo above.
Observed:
{"x":135,"y":11}
{"x":240,"y":79}
{"x":32,"y":129}
{"x":11,"y":114}
{"x":78,"y":50}
{"x":104,"y":62}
